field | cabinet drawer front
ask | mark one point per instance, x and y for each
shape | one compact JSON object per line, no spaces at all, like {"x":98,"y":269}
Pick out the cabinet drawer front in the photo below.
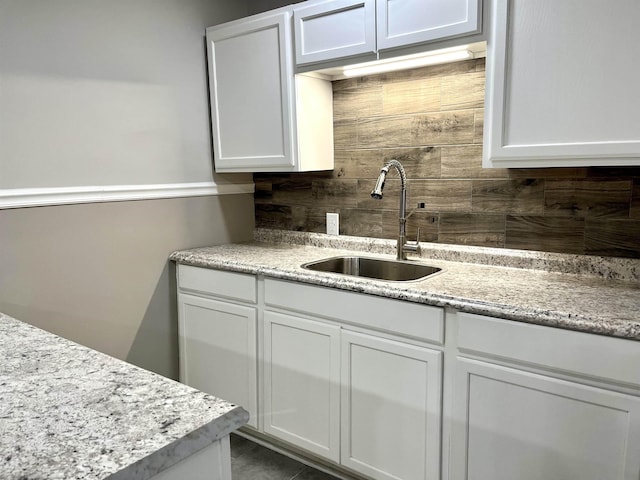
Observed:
{"x":238,"y":286}
{"x":332,"y":30}
{"x":576,"y":352}
{"x":393,"y":316}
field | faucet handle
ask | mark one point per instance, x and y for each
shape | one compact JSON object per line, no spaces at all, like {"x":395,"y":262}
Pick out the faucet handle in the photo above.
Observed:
{"x":419,"y":206}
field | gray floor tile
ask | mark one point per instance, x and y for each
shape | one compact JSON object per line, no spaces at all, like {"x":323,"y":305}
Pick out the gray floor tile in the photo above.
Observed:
{"x":312,"y":474}
{"x":260,"y":463}
{"x":250,"y":461}
{"x":241,"y":446}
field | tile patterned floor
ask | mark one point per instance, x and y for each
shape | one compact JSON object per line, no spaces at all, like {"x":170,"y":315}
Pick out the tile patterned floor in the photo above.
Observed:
{"x":250,"y":461}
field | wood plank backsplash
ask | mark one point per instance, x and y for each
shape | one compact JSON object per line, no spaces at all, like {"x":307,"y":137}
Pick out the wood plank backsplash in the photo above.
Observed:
{"x":431,"y":119}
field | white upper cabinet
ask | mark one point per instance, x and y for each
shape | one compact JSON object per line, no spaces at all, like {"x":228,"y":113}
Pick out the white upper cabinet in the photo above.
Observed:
{"x":406,"y":22}
{"x":562,"y":84}
{"x":265,"y":118}
{"x":340,"y":29}
{"x":335,"y":29}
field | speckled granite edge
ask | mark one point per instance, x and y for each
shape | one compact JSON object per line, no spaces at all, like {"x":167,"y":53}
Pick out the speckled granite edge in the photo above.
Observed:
{"x":612,"y":268}
{"x":183,"y":448}
{"x":68,"y":411}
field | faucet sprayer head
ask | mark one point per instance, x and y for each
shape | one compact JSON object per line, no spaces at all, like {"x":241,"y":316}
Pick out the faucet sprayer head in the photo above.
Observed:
{"x":377,"y":190}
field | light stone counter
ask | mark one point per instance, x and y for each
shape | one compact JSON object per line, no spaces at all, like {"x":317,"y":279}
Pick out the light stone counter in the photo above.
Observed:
{"x":591,"y":294}
{"x":69,"y":412}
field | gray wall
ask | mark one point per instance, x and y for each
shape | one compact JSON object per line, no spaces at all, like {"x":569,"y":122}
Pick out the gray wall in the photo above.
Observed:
{"x":103,"y":92}
{"x":99,"y":275}
{"x":257,"y":6}
{"x":108,"y":92}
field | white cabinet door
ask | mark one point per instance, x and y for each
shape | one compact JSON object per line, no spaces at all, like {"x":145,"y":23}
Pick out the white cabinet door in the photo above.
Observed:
{"x":251,"y":88}
{"x":562,"y":84}
{"x":391,"y":406}
{"x":334,"y":29}
{"x":408,"y":22}
{"x":302,"y":383}
{"x":217,"y":348}
{"x":510,"y":424}
{"x":264,"y":118}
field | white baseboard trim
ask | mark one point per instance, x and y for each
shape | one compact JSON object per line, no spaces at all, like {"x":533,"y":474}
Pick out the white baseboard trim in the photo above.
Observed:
{"x":40,"y":197}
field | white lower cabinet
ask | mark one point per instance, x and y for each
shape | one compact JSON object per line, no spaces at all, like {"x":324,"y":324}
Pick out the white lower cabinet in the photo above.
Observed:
{"x":359,"y":397}
{"x":514,"y":424}
{"x":218,"y":338}
{"x":375,"y":387}
{"x":218,"y":350}
{"x":369,"y":403}
{"x":536,"y":403}
{"x":301,"y":383}
{"x":391,"y":397}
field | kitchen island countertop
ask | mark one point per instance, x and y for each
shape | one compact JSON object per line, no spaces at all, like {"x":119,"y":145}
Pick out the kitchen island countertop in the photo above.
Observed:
{"x":70,"y":412}
{"x":596,"y":295}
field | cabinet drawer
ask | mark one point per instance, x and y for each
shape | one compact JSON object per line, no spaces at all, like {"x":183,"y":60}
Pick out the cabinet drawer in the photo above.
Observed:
{"x":238,"y":286}
{"x":587,"y":354}
{"x":392,"y":316}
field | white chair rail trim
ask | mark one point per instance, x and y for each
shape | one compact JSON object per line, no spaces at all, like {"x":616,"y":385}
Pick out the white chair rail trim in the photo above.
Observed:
{"x":39,"y":197}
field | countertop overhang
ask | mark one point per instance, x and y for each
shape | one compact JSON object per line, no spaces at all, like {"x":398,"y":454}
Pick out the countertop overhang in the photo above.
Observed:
{"x":70,"y":412}
{"x":575,"y":301}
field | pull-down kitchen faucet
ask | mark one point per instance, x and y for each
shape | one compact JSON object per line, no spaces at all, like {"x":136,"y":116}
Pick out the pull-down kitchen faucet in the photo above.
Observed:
{"x":402,"y":246}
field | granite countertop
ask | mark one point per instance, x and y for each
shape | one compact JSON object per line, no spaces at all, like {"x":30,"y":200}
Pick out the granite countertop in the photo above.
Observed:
{"x":70,"y":412}
{"x":591,"y":294}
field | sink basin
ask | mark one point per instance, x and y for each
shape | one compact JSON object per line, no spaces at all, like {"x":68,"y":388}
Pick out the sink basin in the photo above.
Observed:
{"x":389,"y":270}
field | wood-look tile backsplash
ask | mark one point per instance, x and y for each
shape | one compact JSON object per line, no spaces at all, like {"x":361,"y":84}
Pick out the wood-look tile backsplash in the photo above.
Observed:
{"x":431,"y":119}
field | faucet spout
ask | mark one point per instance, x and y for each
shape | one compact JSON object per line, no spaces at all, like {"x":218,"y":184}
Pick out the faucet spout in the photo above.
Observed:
{"x":402,"y":213}
{"x":377,"y":190}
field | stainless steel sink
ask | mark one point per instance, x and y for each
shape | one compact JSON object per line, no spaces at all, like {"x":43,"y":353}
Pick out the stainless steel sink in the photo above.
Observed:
{"x":389,"y":270}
